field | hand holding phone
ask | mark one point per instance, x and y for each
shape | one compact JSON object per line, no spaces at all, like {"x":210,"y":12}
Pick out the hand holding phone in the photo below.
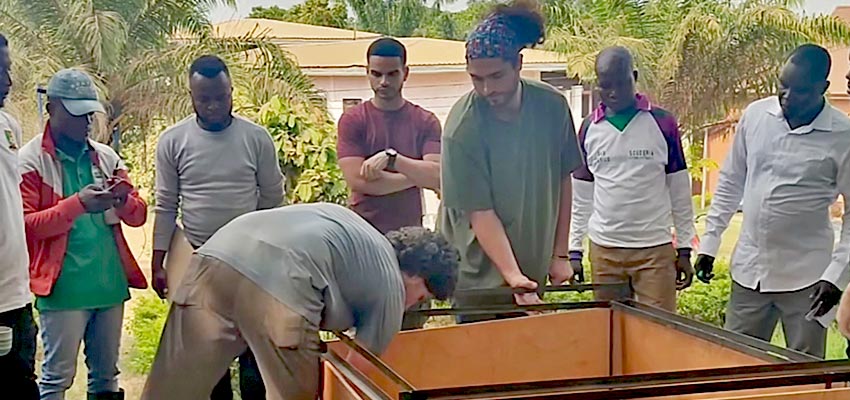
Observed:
{"x":119,"y":187}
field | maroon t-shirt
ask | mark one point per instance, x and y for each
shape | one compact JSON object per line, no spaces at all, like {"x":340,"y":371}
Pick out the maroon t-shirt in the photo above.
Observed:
{"x":363,"y":131}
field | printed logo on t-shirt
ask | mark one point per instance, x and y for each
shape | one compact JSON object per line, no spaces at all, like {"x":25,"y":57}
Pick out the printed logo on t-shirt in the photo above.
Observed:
{"x":599,"y":157}
{"x":641,"y":154}
{"x":602,"y":157}
{"x":10,"y":138}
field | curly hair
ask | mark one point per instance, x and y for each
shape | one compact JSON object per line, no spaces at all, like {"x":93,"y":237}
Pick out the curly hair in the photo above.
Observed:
{"x":526,"y":19}
{"x":428,"y":255}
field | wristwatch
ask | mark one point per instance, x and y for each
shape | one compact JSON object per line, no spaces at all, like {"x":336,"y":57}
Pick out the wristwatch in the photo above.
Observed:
{"x":392,"y":154}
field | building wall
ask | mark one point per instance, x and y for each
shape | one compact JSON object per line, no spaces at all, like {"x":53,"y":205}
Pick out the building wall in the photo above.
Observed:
{"x":717,"y":148}
{"x":436,"y":92}
{"x":837,"y":92}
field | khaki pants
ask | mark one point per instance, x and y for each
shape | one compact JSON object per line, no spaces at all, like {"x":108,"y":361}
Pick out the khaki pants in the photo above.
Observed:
{"x":216,"y":315}
{"x":651,"y":273}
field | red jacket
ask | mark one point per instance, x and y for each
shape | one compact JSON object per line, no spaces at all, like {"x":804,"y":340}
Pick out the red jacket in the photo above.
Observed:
{"x":49,"y":214}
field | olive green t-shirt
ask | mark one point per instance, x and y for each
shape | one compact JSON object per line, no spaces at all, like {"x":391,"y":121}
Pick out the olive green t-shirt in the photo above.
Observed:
{"x":514,"y":168}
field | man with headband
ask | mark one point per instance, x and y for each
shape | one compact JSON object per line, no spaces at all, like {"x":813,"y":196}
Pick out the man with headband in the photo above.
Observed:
{"x":508,"y":150}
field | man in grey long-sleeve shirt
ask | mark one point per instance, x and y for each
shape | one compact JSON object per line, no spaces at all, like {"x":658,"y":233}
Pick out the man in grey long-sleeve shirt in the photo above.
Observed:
{"x":269,"y":280}
{"x":213,"y":167}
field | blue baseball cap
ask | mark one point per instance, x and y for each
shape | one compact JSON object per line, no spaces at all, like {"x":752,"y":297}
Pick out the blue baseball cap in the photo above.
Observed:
{"x":76,"y":90}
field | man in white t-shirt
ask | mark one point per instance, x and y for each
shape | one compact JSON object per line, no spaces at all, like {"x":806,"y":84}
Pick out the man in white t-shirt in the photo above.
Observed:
{"x":17,"y":359}
{"x":634,"y":182}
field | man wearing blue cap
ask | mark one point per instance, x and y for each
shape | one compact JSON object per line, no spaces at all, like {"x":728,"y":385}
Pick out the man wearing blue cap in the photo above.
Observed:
{"x":507,"y":153}
{"x":76,"y":193}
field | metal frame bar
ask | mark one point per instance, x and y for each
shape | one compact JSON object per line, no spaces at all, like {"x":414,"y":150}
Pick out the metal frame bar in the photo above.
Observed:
{"x":362,"y":383}
{"x":377,"y":362}
{"x":578,"y":287}
{"x":511,"y":309}
{"x":653,"y":384}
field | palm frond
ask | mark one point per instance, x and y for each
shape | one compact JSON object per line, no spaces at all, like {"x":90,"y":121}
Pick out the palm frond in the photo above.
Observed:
{"x":100,"y":35}
{"x":155,"y":83}
{"x":156,"y":19}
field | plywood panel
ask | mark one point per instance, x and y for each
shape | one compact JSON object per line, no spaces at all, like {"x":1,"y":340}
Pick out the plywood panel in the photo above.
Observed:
{"x":651,"y":347}
{"x":335,"y":387}
{"x":572,"y":344}
{"x":743,"y":394}
{"x":823,"y":394}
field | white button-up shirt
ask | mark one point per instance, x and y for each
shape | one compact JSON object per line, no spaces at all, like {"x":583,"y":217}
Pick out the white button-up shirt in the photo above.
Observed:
{"x":788,"y":179}
{"x":14,"y":260}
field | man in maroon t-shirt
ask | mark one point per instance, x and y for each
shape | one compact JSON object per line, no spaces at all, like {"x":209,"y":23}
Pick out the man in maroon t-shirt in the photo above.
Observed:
{"x":389,"y":148}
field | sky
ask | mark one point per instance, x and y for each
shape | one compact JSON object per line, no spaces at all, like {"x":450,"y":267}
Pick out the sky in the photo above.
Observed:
{"x":243,"y":7}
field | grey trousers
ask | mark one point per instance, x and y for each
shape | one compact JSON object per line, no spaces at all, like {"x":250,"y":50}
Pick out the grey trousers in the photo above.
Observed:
{"x":755,"y":314}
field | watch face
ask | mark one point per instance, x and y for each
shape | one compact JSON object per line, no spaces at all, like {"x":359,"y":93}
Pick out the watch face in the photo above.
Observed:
{"x":392,"y":152}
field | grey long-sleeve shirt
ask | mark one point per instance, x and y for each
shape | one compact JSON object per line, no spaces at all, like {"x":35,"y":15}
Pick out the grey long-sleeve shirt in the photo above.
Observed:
{"x":212,"y":178}
{"x":324,"y":262}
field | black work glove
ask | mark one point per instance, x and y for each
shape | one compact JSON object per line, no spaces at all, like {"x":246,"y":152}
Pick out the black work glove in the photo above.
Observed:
{"x":684,"y":269}
{"x":825,"y":297}
{"x":578,"y":269}
{"x":704,"y":266}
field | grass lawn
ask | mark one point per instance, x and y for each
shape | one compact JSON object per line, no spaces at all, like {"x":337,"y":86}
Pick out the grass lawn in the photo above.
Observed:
{"x":835,"y":344}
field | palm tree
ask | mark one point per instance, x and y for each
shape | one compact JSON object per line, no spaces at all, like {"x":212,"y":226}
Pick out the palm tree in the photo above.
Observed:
{"x":721,"y":55}
{"x":579,"y":29}
{"x":390,"y":17}
{"x":138,"y":52}
{"x":700,"y":58}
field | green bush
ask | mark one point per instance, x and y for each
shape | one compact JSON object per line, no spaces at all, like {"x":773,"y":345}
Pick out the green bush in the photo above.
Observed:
{"x":707,"y":303}
{"x":149,"y":315}
{"x":306,"y":143}
{"x":139,"y":153}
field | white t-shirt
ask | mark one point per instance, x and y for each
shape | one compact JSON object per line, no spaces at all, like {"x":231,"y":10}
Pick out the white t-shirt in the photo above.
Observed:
{"x":634,"y":183}
{"x":14,"y":259}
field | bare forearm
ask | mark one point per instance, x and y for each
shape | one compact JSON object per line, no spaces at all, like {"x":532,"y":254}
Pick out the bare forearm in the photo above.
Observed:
{"x":562,"y":231}
{"x":423,"y":173}
{"x":158,"y":260}
{"x":495,"y":243}
{"x":388,"y":183}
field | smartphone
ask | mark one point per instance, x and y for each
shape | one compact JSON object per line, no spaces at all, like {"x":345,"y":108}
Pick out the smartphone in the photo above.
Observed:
{"x":118,"y":186}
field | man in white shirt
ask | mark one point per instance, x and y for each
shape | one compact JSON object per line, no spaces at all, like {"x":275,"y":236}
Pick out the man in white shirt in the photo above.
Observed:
{"x":789,"y":161}
{"x":634,"y":179}
{"x":17,"y":360}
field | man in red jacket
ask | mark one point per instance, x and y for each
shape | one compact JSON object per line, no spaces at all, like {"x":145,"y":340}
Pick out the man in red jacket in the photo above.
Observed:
{"x":76,"y":193}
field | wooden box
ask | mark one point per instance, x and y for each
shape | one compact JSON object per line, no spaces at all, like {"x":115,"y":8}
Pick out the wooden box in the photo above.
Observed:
{"x":618,"y":350}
